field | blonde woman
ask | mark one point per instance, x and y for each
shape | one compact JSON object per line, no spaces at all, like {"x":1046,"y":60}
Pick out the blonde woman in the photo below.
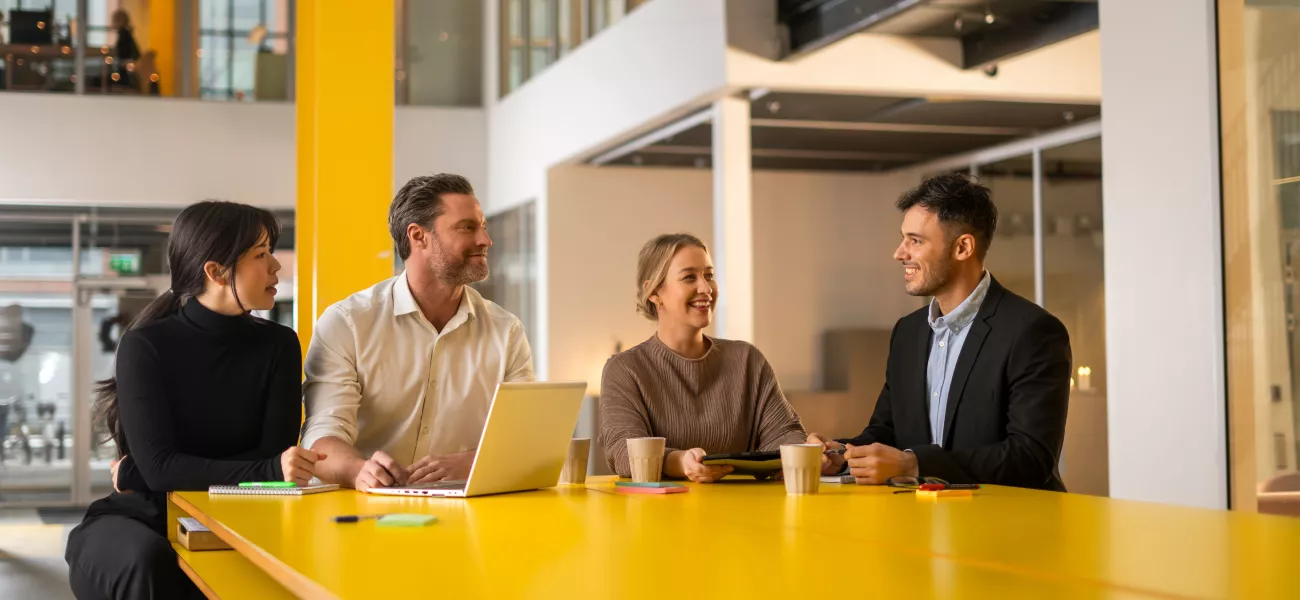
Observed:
{"x":704,"y":395}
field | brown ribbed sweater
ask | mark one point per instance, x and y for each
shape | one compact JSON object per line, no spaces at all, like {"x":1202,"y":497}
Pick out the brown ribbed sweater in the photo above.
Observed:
{"x":726,"y":401}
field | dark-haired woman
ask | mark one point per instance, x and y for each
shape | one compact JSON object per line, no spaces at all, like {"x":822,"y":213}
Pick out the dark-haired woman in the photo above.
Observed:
{"x":204,"y":394}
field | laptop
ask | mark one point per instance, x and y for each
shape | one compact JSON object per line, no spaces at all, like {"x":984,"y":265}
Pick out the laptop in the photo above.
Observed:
{"x":523,"y":446}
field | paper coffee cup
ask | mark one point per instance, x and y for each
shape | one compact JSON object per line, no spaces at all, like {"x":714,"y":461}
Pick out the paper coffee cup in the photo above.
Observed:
{"x":575,"y":464}
{"x":646,"y":457}
{"x":801,"y":466}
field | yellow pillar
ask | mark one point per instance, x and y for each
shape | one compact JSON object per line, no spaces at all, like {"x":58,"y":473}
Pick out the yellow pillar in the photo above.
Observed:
{"x":162,"y":40}
{"x":344,"y":71}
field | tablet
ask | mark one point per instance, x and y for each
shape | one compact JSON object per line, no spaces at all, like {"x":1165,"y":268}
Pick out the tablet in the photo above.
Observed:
{"x":748,"y":462}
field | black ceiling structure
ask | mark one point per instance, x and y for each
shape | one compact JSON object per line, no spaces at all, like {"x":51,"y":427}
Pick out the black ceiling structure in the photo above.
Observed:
{"x":989,"y":30}
{"x":836,"y":132}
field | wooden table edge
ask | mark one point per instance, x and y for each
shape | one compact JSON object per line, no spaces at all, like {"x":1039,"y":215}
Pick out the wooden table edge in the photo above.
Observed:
{"x":297,"y":583}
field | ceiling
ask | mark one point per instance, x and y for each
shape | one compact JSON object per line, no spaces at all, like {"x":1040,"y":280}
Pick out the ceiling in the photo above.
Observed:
{"x":829,"y":132}
{"x":989,"y":30}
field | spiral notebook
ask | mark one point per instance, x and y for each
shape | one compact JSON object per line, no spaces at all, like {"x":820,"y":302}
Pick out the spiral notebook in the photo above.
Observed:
{"x":269,"y":491}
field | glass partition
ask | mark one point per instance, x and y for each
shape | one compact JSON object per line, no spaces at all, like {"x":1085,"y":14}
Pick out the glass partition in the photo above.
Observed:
{"x":1011,"y":256}
{"x":1049,"y":248}
{"x":513,"y":262}
{"x":1074,"y":292}
{"x":1259,"y":79}
{"x":440,"y":53}
{"x":61,"y":315}
{"x":243,"y":51}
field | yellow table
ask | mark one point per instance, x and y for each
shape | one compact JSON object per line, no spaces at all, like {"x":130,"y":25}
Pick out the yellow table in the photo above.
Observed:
{"x":748,"y":539}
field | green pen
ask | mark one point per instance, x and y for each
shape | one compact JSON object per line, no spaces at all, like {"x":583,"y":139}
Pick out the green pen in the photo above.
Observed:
{"x":268,"y":484}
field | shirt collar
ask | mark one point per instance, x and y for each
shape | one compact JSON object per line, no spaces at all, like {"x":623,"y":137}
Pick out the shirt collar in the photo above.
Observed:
{"x":965,"y":312}
{"x":404,"y":301}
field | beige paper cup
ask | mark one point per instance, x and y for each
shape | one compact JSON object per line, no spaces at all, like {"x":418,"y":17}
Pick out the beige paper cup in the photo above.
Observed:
{"x":646,"y":456}
{"x":801,"y":466}
{"x":575,"y":464}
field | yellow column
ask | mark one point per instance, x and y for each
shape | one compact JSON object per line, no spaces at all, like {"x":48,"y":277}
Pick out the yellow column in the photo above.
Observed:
{"x":162,"y":40}
{"x":344,"y":90}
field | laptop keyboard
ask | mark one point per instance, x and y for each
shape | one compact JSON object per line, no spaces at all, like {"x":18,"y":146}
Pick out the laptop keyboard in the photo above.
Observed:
{"x":446,"y":484}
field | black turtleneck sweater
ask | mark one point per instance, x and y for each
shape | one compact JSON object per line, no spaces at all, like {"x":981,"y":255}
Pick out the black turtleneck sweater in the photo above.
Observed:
{"x":204,"y":399}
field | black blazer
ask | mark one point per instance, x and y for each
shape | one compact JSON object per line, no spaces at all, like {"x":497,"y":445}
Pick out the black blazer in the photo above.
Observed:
{"x":1009,"y":393}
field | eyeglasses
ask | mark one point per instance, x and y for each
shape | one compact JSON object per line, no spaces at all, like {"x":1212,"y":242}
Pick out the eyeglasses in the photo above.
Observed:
{"x":916,"y":483}
{"x":926,"y":484}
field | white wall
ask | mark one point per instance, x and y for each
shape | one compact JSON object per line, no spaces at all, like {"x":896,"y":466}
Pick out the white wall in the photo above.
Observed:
{"x":598,"y":220}
{"x":823,"y":259}
{"x":1164,"y":275}
{"x":429,"y":140}
{"x":894,"y":65}
{"x":823,"y":246}
{"x":133,"y":151}
{"x":665,"y":57}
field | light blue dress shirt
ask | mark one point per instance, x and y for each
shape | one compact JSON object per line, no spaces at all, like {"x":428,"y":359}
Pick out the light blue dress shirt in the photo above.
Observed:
{"x":945,"y":347}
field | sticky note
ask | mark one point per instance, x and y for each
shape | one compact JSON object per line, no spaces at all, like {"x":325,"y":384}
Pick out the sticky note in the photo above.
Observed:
{"x":401,"y":520}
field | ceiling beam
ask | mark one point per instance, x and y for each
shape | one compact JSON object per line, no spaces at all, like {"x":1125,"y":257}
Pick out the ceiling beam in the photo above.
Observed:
{"x":791,"y":153}
{"x":654,"y":137}
{"x":819,"y":24}
{"x":1057,"y":22}
{"x":1052,"y":139}
{"x":892,"y":127}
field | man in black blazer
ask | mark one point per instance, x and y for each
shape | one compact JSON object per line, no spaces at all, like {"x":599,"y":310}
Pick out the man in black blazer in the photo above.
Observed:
{"x":978,"y":382}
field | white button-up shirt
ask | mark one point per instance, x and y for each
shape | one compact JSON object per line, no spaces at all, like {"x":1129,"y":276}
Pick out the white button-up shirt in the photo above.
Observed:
{"x":380,"y":377}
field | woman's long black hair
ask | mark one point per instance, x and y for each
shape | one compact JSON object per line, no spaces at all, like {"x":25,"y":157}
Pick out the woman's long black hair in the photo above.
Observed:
{"x":207,"y":231}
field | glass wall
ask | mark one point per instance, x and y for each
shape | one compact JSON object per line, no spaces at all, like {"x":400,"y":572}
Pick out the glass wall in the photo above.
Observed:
{"x":1049,"y":249}
{"x":440,"y":53}
{"x":1011,"y":257}
{"x":243,"y":51}
{"x":1074,"y":291}
{"x":60,"y":320}
{"x":513,"y":262}
{"x":1259,"y":45}
{"x":537,"y":33}
{"x":39,"y":49}
{"x":235,"y":50}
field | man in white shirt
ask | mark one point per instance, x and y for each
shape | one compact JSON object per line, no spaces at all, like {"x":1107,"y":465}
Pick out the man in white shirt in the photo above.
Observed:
{"x":400,"y":376}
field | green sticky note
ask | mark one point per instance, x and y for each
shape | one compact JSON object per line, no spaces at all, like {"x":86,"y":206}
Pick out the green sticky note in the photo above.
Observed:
{"x":400,"y":520}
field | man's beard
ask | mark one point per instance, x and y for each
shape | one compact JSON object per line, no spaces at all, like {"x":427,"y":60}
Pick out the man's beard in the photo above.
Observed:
{"x":940,"y":275}
{"x":456,"y":269}
{"x":932,"y":284}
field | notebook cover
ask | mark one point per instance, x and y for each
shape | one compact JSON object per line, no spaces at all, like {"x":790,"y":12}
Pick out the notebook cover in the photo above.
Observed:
{"x":235,"y":490}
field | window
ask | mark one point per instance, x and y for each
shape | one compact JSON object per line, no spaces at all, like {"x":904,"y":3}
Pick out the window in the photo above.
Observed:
{"x":243,"y":46}
{"x":536,"y":33}
{"x":440,"y":53}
